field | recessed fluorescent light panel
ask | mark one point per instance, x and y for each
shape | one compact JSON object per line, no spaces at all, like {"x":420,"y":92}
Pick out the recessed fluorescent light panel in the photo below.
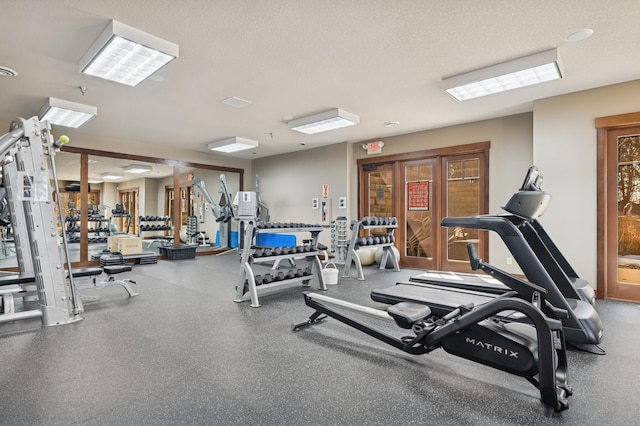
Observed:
{"x":110,"y":175}
{"x":96,"y":181}
{"x":521,"y":72}
{"x":136,"y":168}
{"x":324,"y":121}
{"x":65,"y":113}
{"x":233,"y":144}
{"x":127,"y":55}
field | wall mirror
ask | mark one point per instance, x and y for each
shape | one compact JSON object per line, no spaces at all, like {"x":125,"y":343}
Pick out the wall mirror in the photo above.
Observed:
{"x":135,"y":195}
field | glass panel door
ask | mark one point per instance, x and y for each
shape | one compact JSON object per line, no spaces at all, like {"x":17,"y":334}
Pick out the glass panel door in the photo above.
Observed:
{"x":420,"y":214}
{"x":629,"y":209}
{"x":380,"y":195}
{"x":380,"y":192}
{"x":463,"y":177}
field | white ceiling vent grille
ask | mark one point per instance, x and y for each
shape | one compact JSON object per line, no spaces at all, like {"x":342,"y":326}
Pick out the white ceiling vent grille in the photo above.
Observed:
{"x":236,"y":102}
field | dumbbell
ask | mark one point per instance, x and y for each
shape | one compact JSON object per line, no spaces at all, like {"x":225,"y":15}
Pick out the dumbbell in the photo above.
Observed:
{"x":258,"y":279}
{"x":259,"y":252}
{"x":299,"y":272}
{"x":277,"y":251}
{"x":362,"y":241}
{"x":307,"y":271}
{"x":376,"y":240}
{"x":268,"y":251}
{"x":287,"y":250}
{"x":279,"y":276}
{"x":267,"y":278}
{"x":290,"y":274}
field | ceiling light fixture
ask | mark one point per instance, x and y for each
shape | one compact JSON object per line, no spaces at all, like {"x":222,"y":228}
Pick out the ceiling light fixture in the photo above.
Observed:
{"x":521,"y":72}
{"x":136,"y":168}
{"x":233,"y":144}
{"x":66,"y":113}
{"x":324,"y":121}
{"x":127,"y":55}
{"x":92,"y":180}
{"x":111,"y":175}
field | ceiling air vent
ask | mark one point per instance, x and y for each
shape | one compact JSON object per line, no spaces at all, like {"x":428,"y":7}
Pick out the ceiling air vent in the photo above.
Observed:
{"x":236,"y":102}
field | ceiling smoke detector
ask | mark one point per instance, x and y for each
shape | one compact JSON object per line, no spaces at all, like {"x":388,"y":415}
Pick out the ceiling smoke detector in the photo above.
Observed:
{"x":7,"y":72}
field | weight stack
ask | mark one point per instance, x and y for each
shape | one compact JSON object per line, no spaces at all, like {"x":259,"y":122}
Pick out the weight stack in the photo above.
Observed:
{"x":339,"y":239}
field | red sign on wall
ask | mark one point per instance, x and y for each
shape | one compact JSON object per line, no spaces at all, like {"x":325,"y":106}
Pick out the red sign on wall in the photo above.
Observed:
{"x":418,"y":195}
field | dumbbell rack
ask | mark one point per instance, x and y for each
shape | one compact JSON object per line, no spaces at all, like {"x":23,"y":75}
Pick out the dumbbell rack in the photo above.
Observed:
{"x":100,"y":228}
{"x":388,"y":223}
{"x":339,"y":240}
{"x":162,"y":223}
{"x":248,"y":288}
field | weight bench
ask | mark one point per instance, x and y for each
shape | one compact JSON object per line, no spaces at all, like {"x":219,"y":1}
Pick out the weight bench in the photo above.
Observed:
{"x":110,"y":271}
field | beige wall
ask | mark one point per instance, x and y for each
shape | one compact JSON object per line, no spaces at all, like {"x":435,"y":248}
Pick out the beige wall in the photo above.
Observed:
{"x":564,"y":148}
{"x":509,"y":158}
{"x":288,"y":183}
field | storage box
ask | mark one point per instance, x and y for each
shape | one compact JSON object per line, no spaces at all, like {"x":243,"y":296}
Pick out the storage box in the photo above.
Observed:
{"x":180,"y":252}
{"x":112,"y":242}
{"x":131,"y":245}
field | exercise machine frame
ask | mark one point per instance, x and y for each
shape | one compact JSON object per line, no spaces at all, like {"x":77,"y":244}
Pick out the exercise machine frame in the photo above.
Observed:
{"x":549,"y":375}
{"x":27,"y":154}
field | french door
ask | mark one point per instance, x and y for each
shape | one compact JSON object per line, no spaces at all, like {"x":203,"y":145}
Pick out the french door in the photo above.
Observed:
{"x":619,"y":266}
{"x":420,"y":193}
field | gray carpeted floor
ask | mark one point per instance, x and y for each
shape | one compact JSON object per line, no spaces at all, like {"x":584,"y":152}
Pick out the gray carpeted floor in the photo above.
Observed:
{"x":182,"y":352}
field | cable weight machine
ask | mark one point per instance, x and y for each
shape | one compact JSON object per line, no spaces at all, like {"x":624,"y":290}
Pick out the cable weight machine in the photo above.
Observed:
{"x":27,"y":155}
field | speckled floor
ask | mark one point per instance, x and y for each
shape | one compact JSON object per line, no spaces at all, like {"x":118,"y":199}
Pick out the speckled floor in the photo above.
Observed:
{"x":182,"y":352}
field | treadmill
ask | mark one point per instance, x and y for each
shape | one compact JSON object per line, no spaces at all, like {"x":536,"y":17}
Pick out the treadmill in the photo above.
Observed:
{"x":581,"y":322}
{"x":557,"y":266}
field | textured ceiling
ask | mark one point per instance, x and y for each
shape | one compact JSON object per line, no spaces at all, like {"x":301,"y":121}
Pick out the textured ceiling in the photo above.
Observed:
{"x":382,"y":60}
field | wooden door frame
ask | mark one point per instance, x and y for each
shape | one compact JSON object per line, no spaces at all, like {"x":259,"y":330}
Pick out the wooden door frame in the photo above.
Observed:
{"x":607,"y":250}
{"x":397,"y":159}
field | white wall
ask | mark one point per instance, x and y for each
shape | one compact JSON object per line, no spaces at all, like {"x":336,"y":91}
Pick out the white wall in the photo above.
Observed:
{"x":564,"y":148}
